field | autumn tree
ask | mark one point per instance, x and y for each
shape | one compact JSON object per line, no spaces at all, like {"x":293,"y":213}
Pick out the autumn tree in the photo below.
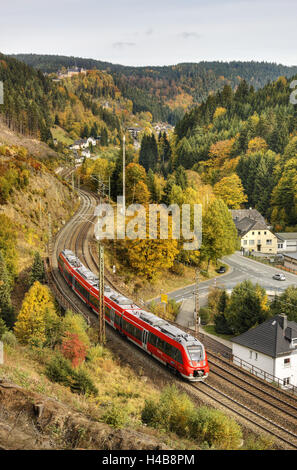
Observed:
{"x":231,"y":191}
{"x":219,"y":234}
{"x":36,"y":314}
{"x":73,"y":349}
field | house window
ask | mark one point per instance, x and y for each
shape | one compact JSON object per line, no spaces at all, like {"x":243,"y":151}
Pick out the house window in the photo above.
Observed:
{"x":251,"y":354}
{"x":287,"y":362}
{"x":268,"y":242}
{"x":245,"y":242}
{"x":253,"y":233}
{"x":259,"y":233}
{"x":265,"y":233}
{"x":256,"y":356}
{"x":287,"y":381}
{"x":251,"y":242}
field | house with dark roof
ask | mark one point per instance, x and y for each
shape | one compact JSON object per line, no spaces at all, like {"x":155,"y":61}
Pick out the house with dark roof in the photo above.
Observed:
{"x":254,"y":233}
{"x":270,"y":349}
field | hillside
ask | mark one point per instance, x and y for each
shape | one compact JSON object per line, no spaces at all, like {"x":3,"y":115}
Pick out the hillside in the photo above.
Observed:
{"x":251,"y":134}
{"x":29,"y":191}
{"x":168,"y":91}
{"x":84,"y":105}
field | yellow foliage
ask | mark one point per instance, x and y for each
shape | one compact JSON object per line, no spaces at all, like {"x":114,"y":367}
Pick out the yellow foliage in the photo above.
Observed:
{"x":257,"y":145}
{"x":220,"y":111}
{"x":37,"y":309}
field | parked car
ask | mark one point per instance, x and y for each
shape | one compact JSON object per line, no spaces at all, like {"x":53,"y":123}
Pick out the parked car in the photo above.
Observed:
{"x":221,"y":270}
{"x":279,"y":277}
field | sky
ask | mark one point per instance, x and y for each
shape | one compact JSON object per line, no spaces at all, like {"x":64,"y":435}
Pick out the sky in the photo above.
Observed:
{"x":152,"y":32}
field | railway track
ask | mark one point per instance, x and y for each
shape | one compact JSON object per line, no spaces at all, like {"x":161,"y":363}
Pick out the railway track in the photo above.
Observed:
{"x":76,"y":235}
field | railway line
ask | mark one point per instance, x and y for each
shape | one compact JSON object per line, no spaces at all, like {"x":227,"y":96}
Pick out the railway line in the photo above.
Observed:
{"x":256,"y":402}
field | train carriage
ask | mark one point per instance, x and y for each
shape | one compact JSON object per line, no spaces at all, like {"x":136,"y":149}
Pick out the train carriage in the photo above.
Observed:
{"x":181,"y":352}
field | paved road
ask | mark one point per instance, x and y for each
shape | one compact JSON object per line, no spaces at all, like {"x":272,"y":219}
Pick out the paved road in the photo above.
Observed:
{"x":241,"y":269}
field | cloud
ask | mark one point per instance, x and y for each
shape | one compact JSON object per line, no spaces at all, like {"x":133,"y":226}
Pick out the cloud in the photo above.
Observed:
{"x":189,"y":35}
{"x":120,"y":45}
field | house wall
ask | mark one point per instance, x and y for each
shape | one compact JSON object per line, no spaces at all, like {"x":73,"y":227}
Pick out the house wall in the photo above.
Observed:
{"x":283,"y":371}
{"x":274,"y":366}
{"x":253,"y":358}
{"x":260,"y":238}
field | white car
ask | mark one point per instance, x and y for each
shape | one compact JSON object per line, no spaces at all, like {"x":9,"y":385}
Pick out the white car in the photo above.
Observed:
{"x":279,"y":277}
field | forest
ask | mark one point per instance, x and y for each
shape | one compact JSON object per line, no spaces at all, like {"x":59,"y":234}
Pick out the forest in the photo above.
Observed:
{"x":168,"y":91}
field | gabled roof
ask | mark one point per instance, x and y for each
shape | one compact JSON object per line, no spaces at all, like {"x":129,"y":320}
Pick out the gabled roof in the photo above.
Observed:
{"x":287,"y":235}
{"x":272,"y":337}
{"x":246,"y":225}
{"x":253,"y":214}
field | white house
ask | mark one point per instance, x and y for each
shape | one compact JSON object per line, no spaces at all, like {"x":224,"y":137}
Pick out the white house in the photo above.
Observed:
{"x":92,"y":141}
{"x":270,"y":350}
{"x":287,"y":241}
{"x":86,"y":153}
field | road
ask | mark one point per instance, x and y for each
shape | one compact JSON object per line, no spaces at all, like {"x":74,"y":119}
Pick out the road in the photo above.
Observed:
{"x":241,"y":269}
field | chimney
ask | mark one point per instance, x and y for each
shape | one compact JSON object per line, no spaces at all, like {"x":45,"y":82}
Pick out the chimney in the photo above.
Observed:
{"x":283,"y":322}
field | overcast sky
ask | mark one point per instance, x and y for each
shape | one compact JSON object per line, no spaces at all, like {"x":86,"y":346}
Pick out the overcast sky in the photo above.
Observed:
{"x":152,"y":32}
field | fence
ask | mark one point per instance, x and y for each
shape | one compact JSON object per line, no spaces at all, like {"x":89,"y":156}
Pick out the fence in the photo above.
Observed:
{"x":262,"y":374}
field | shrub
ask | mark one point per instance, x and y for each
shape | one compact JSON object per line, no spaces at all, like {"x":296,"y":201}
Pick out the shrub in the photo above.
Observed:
{"x":204,"y":314}
{"x":172,"y":413}
{"x":215,"y":428}
{"x":59,"y":370}
{"x":116,"y":416}
{"x":73,"y":349}
{"x":82,"y":383}
{"x":178,"y":269}
{"x":96,"y":352}
{"x":9,"y":338}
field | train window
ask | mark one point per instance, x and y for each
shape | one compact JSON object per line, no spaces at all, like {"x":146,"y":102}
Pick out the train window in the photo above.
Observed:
{"x":168,"y":349}
{"x":153,"y":339}
{"x":161,"y":345}
{"x":195,"y":353}
{"x":93,"y":300}
{"x":178,"y":356}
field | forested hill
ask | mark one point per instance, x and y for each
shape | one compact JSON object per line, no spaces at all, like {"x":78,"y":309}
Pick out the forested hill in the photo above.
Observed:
{"x":247,"y":134}
{"x":34,"y":103}
{"x":170,"y":90}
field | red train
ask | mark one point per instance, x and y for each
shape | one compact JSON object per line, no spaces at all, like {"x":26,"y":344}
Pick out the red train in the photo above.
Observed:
{"x":181,"y":352}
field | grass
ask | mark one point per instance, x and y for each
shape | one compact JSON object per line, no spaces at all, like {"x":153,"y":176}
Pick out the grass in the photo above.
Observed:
{"x":211,"y":330}
{"x":61,"y":135}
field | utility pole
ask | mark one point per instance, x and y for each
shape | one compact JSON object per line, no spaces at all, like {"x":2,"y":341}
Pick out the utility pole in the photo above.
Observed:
{"x":124,"y":175}
{"x":101,"y":294}
{"x":197,"y":318}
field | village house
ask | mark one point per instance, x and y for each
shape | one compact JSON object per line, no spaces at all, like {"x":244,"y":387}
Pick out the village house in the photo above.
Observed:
{"x":287,"y":242}
{"x":269,"y":350}
{"x":255,"y":235}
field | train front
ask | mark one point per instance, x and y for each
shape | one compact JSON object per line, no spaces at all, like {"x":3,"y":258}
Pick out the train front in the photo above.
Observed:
{"x":197,"y":365}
